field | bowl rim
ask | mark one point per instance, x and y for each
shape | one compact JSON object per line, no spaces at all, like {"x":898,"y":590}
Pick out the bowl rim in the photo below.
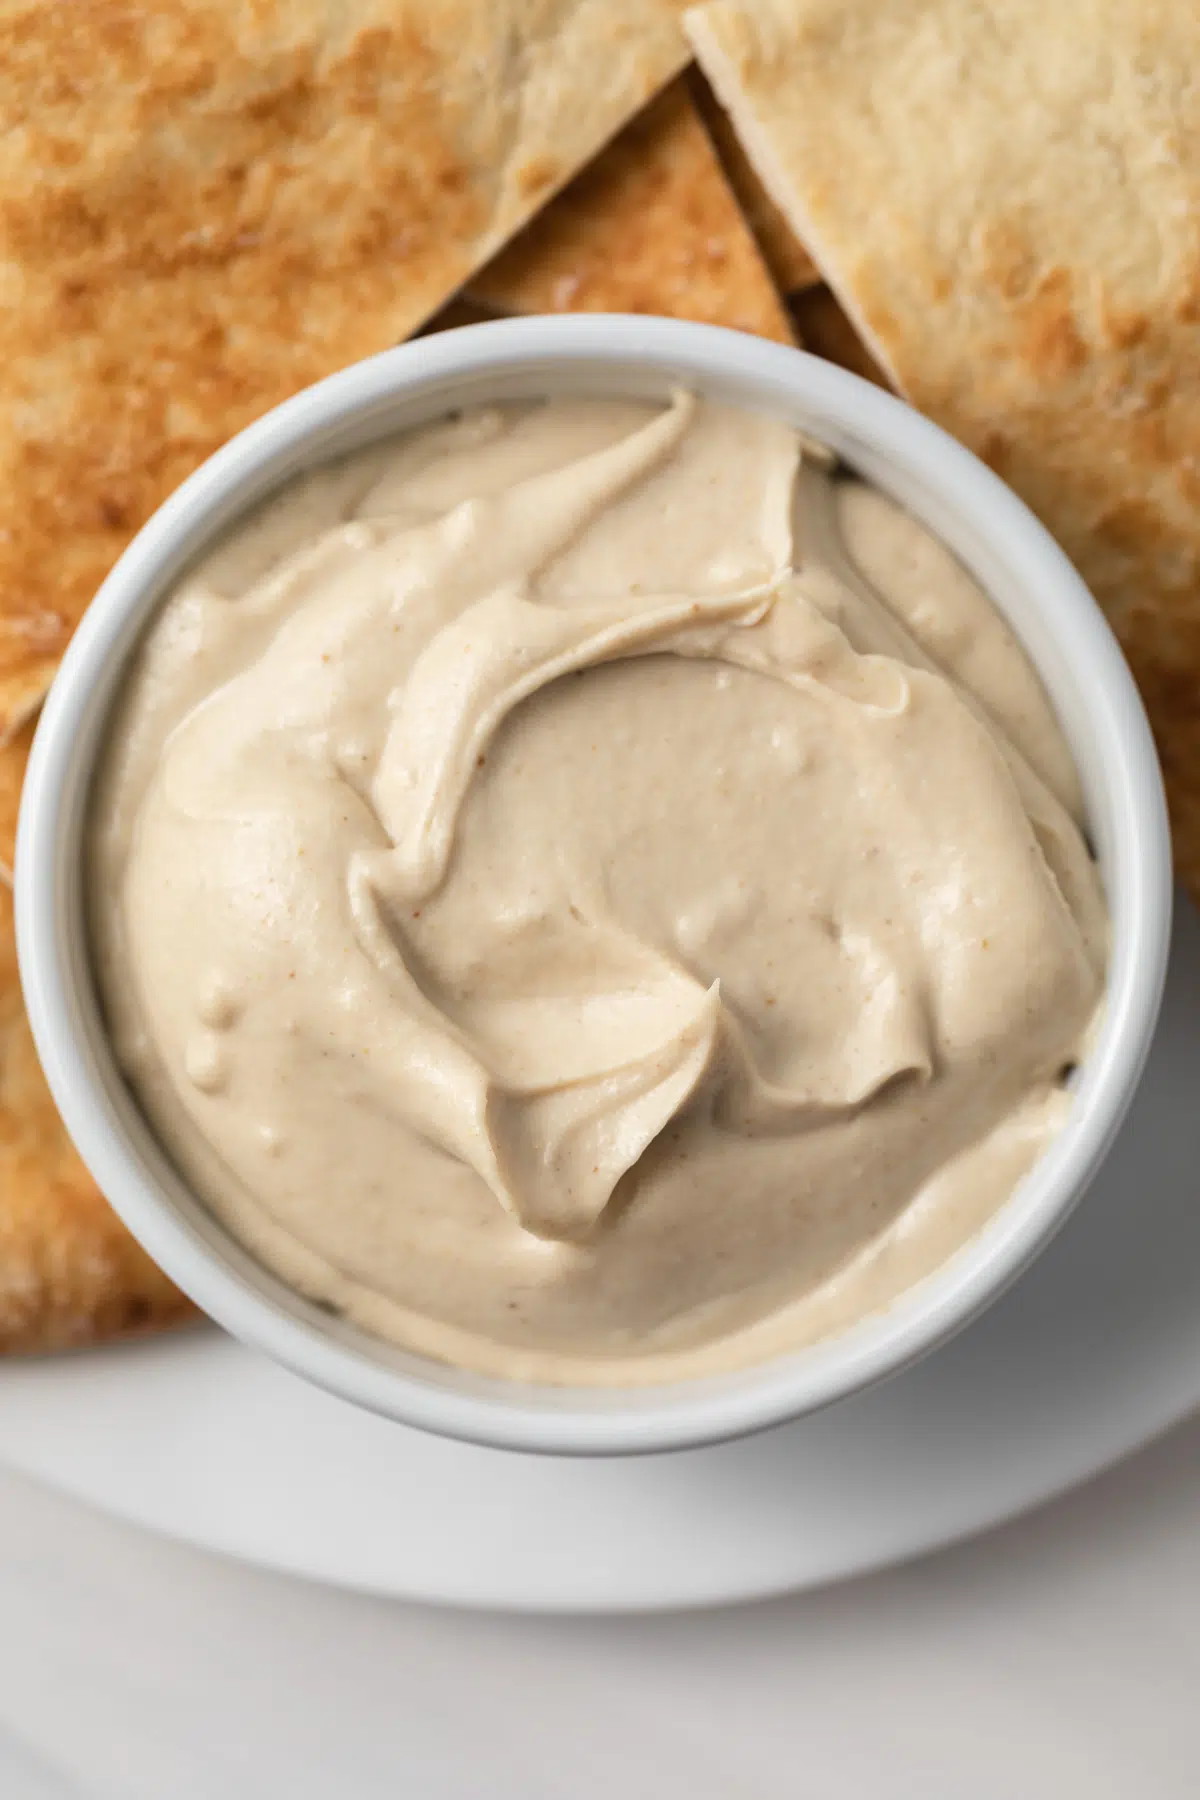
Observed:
{"x":263,"y":1313}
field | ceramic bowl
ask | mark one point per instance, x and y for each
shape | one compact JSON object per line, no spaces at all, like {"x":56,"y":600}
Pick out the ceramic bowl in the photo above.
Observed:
{"x":998,"y":539}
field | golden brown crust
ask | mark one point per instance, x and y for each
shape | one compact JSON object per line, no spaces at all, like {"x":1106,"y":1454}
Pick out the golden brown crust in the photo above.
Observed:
{"x":206,"y":207}
{"x":25,"y":682}
{"x":70,"y":1273}
{"x":1037,"y":291}
{"x":792,"y":268}
{"x":651,"y":226}
{"x":13,"y":757}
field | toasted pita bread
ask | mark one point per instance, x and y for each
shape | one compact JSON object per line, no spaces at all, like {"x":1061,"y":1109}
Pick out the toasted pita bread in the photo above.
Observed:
{"x":1007,"y":201}
{"x":29,"y":645}
{"x":13,"y":757}
{"x":204,"y":207}
{"x":651,"y":226}
{"x":790,"y":264}
{"x":69,"y":1271}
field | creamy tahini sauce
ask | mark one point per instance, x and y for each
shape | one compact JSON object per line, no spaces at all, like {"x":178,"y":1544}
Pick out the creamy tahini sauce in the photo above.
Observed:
{"x":588,"y":901}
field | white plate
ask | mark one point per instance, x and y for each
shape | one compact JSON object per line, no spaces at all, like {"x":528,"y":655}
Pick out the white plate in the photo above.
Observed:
{"x":1096,"y":1350}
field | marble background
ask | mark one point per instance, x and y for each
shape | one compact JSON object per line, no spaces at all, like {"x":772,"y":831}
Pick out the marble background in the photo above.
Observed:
{"x":1056,"y":1659}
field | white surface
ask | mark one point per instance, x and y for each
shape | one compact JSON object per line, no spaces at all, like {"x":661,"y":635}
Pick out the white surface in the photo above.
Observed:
{"x":1098,"y":1347}
{"x":1027,"y":576}
{"x":1058,"y":1659}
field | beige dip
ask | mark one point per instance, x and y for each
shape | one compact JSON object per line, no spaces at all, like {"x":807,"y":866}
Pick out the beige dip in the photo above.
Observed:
{"x":592,"y":895}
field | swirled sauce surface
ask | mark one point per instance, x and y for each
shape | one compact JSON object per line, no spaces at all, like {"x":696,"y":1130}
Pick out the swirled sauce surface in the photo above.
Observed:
{"x":591,"y":894}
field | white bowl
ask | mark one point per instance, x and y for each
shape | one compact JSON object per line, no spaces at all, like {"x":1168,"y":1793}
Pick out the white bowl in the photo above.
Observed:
{"x":1017,"y":562}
